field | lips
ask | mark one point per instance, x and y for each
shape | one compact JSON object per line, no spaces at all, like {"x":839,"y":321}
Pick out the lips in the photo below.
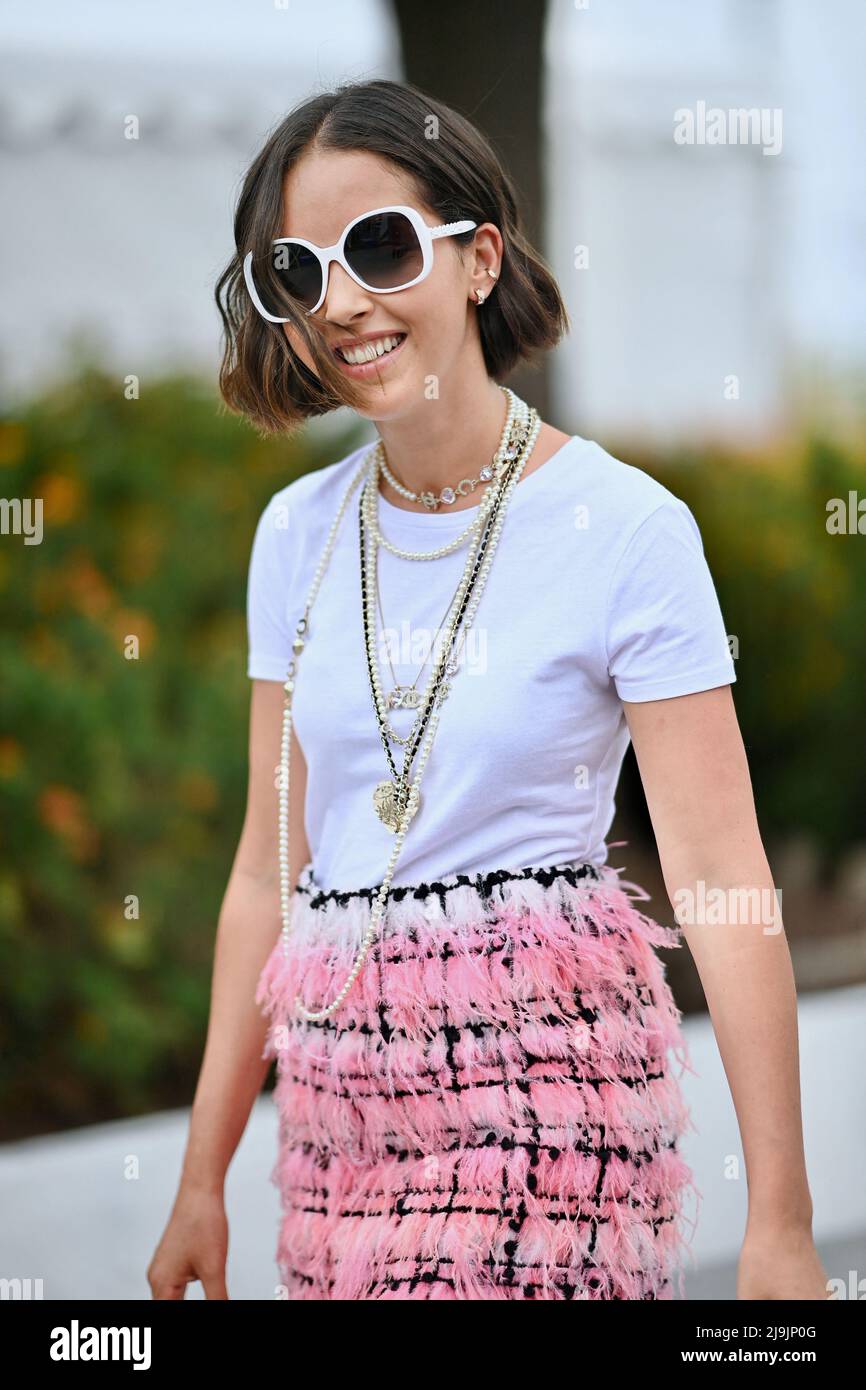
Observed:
{"x":369,"y":349}
{"x":372,"y":363}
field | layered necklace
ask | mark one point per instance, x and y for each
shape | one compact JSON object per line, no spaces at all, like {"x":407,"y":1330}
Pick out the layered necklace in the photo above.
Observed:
{"x":396,"y":800}
{"x":390,"y":797}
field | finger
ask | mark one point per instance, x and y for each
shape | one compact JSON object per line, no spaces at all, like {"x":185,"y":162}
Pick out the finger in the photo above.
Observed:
{"x":214,"y":1284}
{"x":169,"y":1289}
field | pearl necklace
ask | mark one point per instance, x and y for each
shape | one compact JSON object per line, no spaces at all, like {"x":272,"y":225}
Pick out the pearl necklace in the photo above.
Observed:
{"x":298,"y":644}
{"x":389,"y":796}
{"x":448,"y":494}
{"x":369,"y":503}
{"x":512,"y":441}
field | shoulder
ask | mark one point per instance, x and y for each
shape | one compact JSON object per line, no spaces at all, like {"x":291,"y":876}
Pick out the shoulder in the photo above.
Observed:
{"x":622,"y":501}
{"x":623,"y":492}
{"x":662,"y":629}
{"x":300,"y":513}
{"x":297,"y":518}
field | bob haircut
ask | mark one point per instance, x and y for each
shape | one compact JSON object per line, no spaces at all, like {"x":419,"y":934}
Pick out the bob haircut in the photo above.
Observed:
{"x":457,"y":175}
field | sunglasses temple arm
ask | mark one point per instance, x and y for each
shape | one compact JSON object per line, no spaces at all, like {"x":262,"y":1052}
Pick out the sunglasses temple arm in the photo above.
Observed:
{"x":452,"y":229}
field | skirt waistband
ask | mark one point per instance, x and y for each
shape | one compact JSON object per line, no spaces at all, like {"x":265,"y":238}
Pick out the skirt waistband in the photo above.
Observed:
{"x":574,"y":871}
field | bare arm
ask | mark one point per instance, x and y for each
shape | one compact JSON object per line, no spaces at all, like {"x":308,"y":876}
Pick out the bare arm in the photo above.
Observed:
{"x":695,"y":775}
{"x":233,"y":1070}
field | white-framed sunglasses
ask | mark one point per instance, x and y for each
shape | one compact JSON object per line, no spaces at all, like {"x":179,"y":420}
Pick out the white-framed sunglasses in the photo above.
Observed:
{"x":385,"y":250}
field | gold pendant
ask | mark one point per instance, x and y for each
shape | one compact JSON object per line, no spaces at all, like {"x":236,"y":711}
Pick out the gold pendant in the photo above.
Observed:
{"x":385,"y":802}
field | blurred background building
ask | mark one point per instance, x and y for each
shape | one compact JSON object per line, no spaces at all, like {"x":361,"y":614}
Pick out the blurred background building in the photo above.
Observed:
{"x":683,"y":267}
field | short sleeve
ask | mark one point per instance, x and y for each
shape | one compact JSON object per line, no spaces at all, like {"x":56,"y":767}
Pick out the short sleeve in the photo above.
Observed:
{"x":270,"y":626}
{"x":665,"y":633}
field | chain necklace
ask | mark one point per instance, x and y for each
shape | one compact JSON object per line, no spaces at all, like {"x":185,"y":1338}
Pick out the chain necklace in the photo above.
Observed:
{"x":403,"y":696}
{"x":513,"y":440}
{"x":389,"y":796}
{"x":301,"y":637}
{"x":448,"y":495}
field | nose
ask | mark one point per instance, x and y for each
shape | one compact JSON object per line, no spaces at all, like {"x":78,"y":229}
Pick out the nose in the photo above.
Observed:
{"x":345,"y":300}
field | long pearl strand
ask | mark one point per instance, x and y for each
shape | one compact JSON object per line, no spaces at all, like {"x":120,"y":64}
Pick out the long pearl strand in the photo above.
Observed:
{"x":286,"y":741}
{"x":378,"y":907}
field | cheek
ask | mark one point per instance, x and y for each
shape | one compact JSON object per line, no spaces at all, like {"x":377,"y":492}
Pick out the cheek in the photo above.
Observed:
{"x":298,"y":346}
{"x":436,"y":315}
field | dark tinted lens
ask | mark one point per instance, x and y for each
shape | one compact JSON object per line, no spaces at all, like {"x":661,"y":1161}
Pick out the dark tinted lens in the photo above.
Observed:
{"x":384,"y":251}
{"x":289,"y":270}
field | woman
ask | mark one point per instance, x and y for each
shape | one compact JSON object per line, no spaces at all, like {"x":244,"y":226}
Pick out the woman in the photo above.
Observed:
{"x":472,"y":1029}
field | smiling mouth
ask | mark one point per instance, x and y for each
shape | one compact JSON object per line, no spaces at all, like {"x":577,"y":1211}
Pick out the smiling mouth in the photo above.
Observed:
{"x":361,"y":353}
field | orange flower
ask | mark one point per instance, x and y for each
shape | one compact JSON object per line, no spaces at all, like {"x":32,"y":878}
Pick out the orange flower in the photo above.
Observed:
{"x":87,"y":586}
{"x":61,"y":497}
{"x":124,"y":623}
{"x":62,"y":810}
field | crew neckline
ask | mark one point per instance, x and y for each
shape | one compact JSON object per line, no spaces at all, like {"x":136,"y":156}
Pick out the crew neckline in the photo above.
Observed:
{"x":400,"y":516}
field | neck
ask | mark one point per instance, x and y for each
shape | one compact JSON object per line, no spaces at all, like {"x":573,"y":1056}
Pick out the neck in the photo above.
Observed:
{"x":445,"y":440}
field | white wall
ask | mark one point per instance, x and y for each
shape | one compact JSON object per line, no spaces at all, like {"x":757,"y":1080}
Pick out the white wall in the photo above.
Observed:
{"x":705,"y":262}
{"x":127,"y":238}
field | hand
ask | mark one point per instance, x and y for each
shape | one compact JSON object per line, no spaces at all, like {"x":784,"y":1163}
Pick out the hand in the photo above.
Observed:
{"x":781,"y":1262}
{"x":194,"y":1246}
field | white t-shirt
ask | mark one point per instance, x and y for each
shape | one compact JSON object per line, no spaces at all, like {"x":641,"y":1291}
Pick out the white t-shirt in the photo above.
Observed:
{"x":598,"y":592}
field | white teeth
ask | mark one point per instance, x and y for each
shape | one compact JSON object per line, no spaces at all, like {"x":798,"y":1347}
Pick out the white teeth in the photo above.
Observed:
{"x":368,"y":352}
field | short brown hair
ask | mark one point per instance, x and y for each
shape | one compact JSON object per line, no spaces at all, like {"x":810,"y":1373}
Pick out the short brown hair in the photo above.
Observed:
{"x":458,"y":175}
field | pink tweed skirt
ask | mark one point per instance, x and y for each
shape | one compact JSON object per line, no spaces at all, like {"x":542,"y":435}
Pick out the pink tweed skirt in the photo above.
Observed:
{"x":491,"y":1112}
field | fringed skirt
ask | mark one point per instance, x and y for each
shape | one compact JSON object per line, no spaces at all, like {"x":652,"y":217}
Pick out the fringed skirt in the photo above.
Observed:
{"x":491,"y":1112}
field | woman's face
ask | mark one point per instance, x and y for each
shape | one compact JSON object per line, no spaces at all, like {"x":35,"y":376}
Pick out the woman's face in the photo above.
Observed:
{"x":434,"y":320}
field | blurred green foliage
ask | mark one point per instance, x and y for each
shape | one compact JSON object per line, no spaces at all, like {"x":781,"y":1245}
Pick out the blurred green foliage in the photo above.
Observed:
{"x":124,"y":779}
{"x":121,"y":777}
{"x":793,"y":595}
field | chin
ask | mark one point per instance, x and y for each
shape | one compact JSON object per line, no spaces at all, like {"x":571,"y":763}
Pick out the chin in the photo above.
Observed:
{"x":392,"y":400}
